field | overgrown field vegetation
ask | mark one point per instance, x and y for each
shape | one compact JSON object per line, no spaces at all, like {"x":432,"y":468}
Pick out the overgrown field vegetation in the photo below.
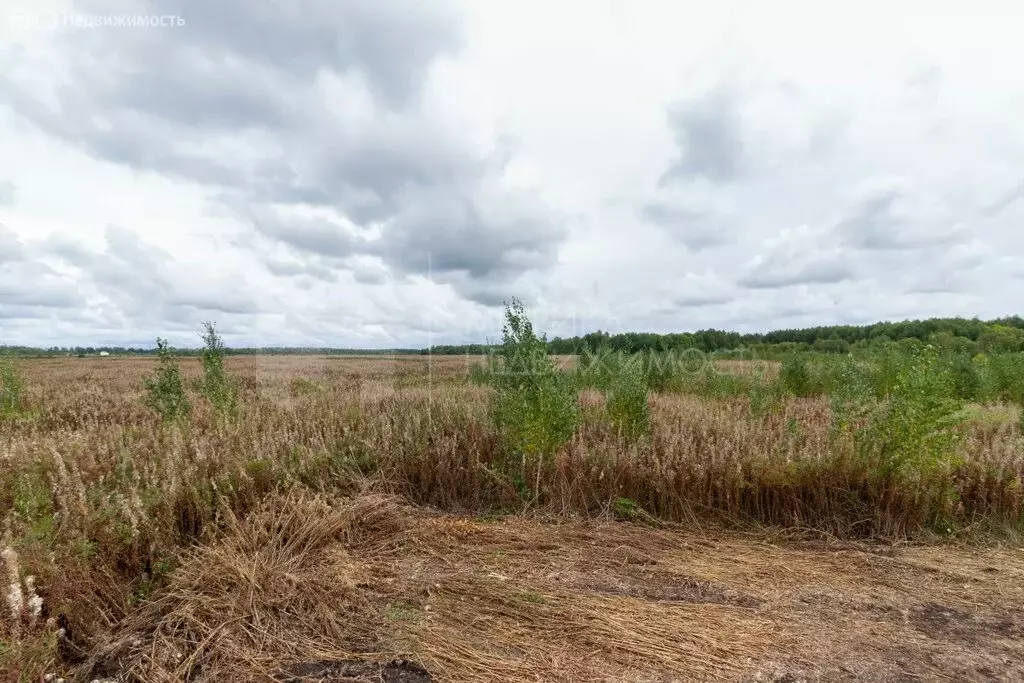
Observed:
{"x":111,"y":467}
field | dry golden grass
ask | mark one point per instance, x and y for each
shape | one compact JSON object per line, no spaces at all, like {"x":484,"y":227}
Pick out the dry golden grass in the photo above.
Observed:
{"x":215,"y":550}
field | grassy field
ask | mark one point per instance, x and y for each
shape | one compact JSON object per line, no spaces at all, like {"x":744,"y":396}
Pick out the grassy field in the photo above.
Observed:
{"x":373,"y":509}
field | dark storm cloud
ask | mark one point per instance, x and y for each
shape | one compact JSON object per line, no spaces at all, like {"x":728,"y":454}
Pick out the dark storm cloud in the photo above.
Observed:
{"x":698,"y":230}
{"x":7,"y":192}
{"x":709,"y":136}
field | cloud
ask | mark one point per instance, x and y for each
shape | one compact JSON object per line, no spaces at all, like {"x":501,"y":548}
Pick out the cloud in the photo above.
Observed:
{"x":28,"y":287}
{"x":697,"y":229}
{"x":11,"y":247}
{"x":292,"y":267}
{"x":487,"y":235}
{"x":956,"y":269}
{"x":7,"y":192}
{"x":26,"y":284}
{"x":885,"y":219}
{"x":317,"y":235}
{"x":696,"y":291}
{"x":697,"y":300}
{"x":797,"y":256}
{"x":1008,"y":199}
{"x":708,"y":133}
{"x":131,"y":279}
{"x":826,"y":271}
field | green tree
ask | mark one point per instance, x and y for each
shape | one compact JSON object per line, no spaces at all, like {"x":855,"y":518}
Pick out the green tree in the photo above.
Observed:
{"x":1001,"y":339}
{"x":165,"y":390}
{"x":536,"y":406}
{"x":216,"y":386}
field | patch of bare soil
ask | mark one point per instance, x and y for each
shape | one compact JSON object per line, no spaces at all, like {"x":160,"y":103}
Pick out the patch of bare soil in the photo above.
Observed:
{"x":398,"y":671}
{"x":377,"y":591}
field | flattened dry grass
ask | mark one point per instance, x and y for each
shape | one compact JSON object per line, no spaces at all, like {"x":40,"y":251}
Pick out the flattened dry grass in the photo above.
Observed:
{"x":524,"y":599}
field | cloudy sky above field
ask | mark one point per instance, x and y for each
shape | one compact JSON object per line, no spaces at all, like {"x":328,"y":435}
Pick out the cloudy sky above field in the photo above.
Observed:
{"x":380,"y":173}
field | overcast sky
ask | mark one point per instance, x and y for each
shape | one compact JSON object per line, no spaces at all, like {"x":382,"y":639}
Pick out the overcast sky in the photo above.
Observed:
{"x":380,"y":173}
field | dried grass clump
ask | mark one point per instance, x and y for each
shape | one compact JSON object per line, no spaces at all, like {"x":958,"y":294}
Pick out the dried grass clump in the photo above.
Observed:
{"x":281,"y":586}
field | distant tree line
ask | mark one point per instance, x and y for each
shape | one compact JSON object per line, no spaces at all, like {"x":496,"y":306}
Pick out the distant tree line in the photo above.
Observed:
{"x":952,"y":334}
{"x":955,"y":334}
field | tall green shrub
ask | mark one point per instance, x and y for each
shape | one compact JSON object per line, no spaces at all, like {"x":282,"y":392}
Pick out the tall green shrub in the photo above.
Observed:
{"x":965,"y":378}
{"x":1004,"y":377}
{"x":535,"y":405}
{"x":913,"y":428}
{"x":795,"y":376}
{"x":165,"y":390}
{"x":216,"y":386}
{"x":627,"y":403}
{"x":11,"y":389}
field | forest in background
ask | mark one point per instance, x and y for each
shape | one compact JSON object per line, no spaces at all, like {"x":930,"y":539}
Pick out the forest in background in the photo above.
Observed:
{"x":961,"y":335}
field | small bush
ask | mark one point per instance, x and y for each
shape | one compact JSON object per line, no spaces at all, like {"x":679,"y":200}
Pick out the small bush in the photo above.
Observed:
{"x":165,"y":391}
{"x":965,"y":378}
{"x":889,"y":368}
{"x":300,"y":386}
{"x":11,"y":390}
{"x":216,"y":386}
{"x":627,"y":402}
{"x":765,"y":397}
{"x":661,"y":370}
{"x":483,"y":373}
{"x":535,"y":406}
{"x":1004,"y":377}
{"x":33,"y":506}
{"x":795,"y":376}
{"x":851,"y":398}
{"x":598,"y":368}
{"x":912,"y":430}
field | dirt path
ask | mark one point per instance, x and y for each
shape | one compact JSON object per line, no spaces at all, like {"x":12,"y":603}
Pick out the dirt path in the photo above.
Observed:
{"x":526,"y":600}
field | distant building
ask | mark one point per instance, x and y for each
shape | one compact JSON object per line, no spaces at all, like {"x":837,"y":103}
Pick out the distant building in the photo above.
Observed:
{"x":104,"y":353}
